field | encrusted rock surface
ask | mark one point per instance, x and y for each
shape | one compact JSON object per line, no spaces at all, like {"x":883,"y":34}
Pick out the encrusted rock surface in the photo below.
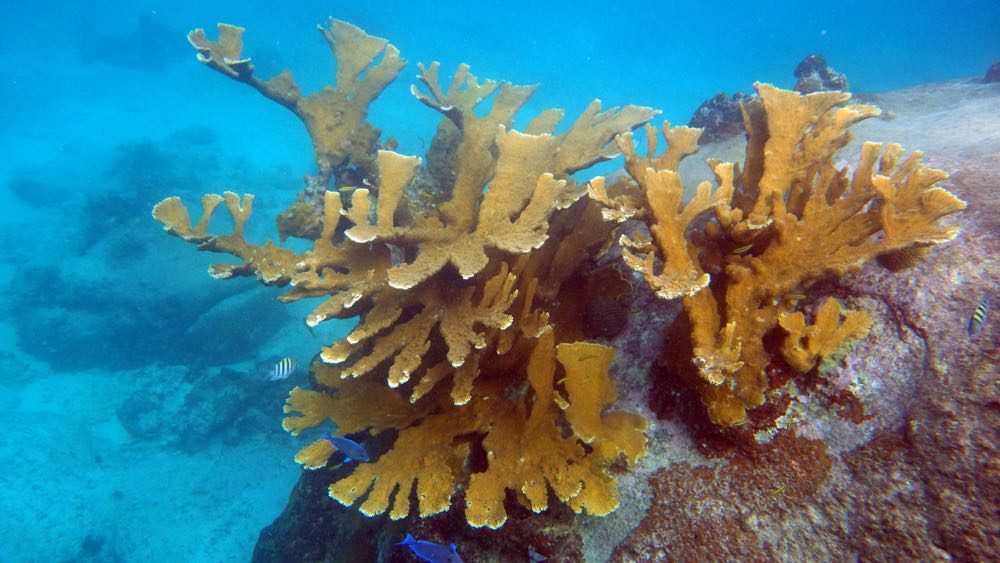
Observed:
{"x":814,"y":74}
{"x":907,"y":469}
{"x":720,"y":117}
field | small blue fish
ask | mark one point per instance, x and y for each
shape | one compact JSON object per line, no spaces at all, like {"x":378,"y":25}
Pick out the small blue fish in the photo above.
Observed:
{"x":353,"y":450}
{"x":430,"y":551}
{"x":978,"y":319}
{"x":282,"y":369}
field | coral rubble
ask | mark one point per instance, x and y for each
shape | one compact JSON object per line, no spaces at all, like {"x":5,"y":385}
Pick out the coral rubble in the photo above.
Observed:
{"x":788,"y":218}
{"x":455,"y":269}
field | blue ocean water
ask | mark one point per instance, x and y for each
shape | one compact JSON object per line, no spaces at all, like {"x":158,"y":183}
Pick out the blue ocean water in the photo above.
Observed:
{"x":137,"y":423}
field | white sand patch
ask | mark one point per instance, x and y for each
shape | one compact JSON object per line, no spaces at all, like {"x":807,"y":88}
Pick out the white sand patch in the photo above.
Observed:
{"x":71,"y":471}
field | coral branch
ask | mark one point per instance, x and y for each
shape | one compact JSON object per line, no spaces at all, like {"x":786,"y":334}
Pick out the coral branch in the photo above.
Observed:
{"x":334,"y":116}
{"x":789,"y":219}
{"x":805,"y":345}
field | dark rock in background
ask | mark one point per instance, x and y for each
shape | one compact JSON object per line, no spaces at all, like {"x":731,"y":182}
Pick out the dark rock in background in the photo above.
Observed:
{"x":34,"y":192}
{"x":992,"y":73}
{"x":74,"y":323}
{"x":720,"y":117}
{"x":140,"y":173}
{"x":205,"y":407}
{"x":14,"y":370}
{"x":107,"y":292}
{"x":814,"y":75}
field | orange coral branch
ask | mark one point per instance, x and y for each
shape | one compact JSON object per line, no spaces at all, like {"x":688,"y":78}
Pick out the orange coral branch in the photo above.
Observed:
{"x":334,"y":117}
{"x":795,"y":218}
{"x":464,"y":290}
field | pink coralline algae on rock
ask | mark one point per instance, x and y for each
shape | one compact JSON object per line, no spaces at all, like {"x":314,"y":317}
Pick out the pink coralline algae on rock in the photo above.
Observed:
{"x":893,"y":451}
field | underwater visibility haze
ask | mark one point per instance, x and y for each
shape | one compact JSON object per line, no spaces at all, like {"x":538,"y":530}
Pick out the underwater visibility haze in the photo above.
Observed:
{"x":500,"y":281}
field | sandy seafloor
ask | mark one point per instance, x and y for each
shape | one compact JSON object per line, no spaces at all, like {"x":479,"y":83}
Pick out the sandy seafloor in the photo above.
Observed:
{"x":69,"y":469}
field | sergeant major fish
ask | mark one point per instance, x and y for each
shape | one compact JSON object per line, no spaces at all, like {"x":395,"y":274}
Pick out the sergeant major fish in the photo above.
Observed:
{"x":282,"y":369}
{"x":978,"y":319}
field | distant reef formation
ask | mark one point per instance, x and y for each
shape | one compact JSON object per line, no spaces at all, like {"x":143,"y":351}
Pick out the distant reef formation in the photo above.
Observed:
{"x":756,"y":361}
{"x":720,"y":117}
{"x":992,"y":73}
{"x":92,"y":301}
{"x":814,"y":75}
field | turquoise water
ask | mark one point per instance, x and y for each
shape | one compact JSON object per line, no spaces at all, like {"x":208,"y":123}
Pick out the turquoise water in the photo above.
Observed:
{"x":137,"y":424}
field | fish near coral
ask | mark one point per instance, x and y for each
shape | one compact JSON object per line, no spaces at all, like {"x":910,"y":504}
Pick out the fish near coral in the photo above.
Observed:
{"x":444,"y":304}
{"x":430,"y":551}
{"x":282,"y":369}
{"x":353,"y":450}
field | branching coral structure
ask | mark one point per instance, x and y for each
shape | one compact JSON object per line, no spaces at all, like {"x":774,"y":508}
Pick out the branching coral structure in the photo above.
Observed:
{"x":455,"y":270}
{"x":459,"y":266}
{"x":741,"y":253}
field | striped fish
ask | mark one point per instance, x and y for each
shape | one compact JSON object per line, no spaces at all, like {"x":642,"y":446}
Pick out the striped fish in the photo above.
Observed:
{"x":978,"y":319}
{"x":282,"y":369}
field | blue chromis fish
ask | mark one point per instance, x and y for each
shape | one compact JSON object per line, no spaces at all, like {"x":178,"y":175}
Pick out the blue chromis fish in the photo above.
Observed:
{"x":282,"y":369}
{"x":430,"y":551}
{"x":353,"y":450}
{"x":978,"y":319}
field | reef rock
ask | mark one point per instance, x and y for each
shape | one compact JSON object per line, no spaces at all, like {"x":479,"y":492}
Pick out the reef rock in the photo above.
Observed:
{"x":720,"y":117}
{"x":992,"y":73}
{"x":197,"y":408}
{"x":907,"y":468}
{"x":814,"y":75}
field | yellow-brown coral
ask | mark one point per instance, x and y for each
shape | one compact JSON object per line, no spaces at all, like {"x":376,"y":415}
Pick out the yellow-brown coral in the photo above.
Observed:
{"x":456,"y":285}
{"x":804,"y":345}
{"x":788,"y":218}
{"x":522,"y":436}
{"x":334,"y":116}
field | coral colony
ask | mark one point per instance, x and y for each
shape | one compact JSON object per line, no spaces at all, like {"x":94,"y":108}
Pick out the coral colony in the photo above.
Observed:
{"x":464,"y":270}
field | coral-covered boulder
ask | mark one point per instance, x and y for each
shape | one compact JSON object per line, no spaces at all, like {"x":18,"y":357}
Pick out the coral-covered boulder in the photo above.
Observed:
{"x":720,"y":117}
{"x":888,"y":451}
{"x":814,"y":75}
